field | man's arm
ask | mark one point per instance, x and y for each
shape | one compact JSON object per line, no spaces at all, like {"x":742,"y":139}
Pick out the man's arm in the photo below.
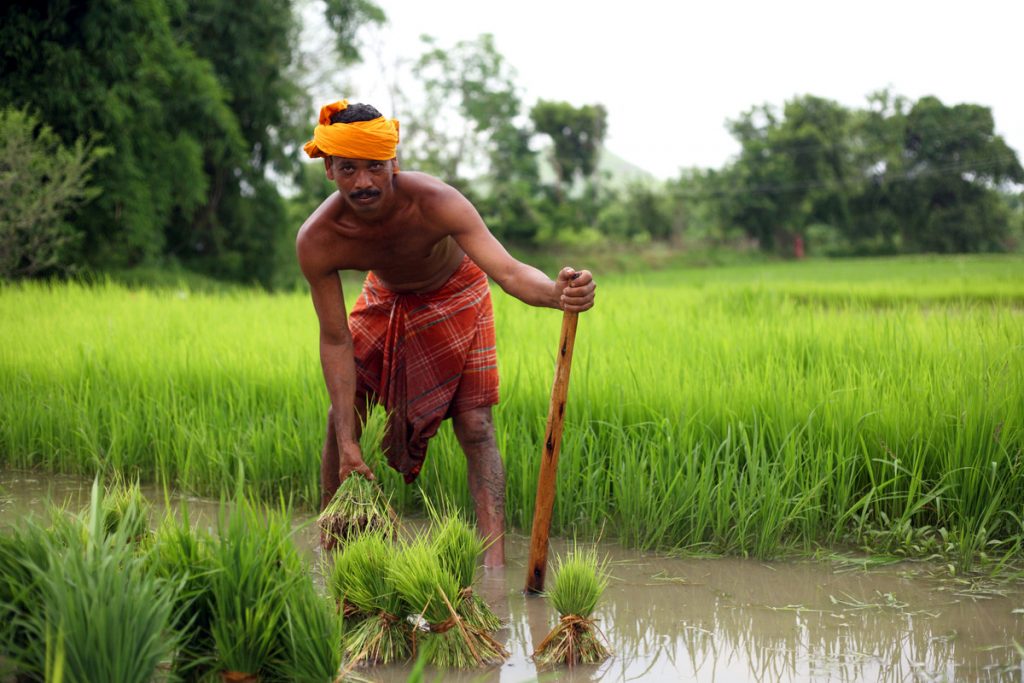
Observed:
{"x":572,"y":291}
{"x":336,"y":356}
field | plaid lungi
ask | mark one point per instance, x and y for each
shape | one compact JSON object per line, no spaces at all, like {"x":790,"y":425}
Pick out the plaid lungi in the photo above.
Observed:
{"x":424,"y":357}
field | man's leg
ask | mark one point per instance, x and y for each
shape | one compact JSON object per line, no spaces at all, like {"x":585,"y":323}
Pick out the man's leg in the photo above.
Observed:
{"x":329,"y":460}
{"x":475,"y":432}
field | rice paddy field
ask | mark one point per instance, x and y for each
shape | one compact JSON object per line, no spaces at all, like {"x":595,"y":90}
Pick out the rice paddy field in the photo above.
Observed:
{"x":762,"y":411}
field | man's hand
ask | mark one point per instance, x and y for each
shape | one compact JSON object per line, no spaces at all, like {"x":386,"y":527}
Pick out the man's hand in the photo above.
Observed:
{"x":575,"y":289}
{"x":351,"y":460}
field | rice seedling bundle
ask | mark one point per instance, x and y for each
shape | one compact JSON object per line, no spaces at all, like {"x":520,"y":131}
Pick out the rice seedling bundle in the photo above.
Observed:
{"x":124,"y":507}
{"x":25,"y":551}
{"x":98,"y":614}
{"x":312,"y":636}
{"x":579,"y":580}
{"x":433,"y":596}
{"x":182,"y":555}
{"x":256,"y":568}
{"x":459,"y":547}
{"x":357,"y":506}
{"x":357,"y":581}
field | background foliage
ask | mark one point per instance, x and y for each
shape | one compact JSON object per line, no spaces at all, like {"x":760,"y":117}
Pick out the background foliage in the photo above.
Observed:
{"x":179,"y":125}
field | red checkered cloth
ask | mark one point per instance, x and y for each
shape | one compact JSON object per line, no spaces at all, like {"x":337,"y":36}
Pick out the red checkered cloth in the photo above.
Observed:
{"x":424,"y":357}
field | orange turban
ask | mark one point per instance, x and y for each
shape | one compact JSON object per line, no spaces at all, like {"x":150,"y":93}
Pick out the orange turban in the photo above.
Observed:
{"x":376,"y":139}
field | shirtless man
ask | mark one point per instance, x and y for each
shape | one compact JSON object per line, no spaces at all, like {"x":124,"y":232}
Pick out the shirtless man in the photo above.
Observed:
{"x":424,"y":246}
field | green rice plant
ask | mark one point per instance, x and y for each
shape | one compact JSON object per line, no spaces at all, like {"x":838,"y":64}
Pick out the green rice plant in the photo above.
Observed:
{"x":182,"y":554}
{"x":782,"y":407}
{"x":100,"y":615}
{"x":23,"y":550}
{"x":124,"y":507}
{"x":578,"y":582}
{"x":459,"y":548}
{"x":432,"y":594}
{"x":255,"y":570}
{"x":357,"y":506}
{"x":313,"y":639}
{"x":357,"y":581}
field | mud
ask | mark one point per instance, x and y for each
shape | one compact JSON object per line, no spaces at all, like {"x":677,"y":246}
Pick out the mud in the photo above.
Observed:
{"x":714,"y":619}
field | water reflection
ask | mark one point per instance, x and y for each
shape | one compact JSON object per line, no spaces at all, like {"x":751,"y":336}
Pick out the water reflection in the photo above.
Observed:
{"x":715,"y":619}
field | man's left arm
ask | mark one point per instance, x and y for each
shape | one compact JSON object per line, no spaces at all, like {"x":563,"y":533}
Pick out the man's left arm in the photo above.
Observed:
{"x":572,"y":290}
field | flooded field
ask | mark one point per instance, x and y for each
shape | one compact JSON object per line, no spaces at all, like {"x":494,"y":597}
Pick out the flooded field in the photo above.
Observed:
{"x":716,"y":619}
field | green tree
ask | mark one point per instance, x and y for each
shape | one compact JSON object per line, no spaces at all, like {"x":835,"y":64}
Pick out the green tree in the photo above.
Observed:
{"x":470,"y":132}
{"x":198,"y":101}
{"x":467,"y":126}
{"x":640,"y":213}
{"x":953,"y":161}
{"x":251,"y":48}
{"x":41,"y":182}
{"x":115,"y":69}
{"x":877,"y":205}
{"x":764,"y":201}
{"x":794,"y":171}
{"x":576,"y":133}
{"x":346,"y":17}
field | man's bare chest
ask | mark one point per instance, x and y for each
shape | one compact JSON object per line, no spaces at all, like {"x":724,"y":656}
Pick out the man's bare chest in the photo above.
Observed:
{"x":408,"y":260}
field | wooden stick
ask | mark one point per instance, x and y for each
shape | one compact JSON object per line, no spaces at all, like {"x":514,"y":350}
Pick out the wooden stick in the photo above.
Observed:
{"x":546,"y":481}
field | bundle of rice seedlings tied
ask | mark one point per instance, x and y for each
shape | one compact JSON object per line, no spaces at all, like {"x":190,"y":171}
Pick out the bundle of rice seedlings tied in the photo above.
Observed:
{"x":125,"y":508}
{"x":376,"y":631}
{"x":255,"y":569}
{"x":99,"y":614}
{"x":312,"y":651}
{"x":357,"y":506}
{"x":433,"y":596}
{"x":459,"y":549}
{"x":182,"y":555}
{"x":579,"y":580}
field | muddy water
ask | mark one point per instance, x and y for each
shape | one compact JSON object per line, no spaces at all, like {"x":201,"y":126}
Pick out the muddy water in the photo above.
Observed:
{"x":673,"y":619}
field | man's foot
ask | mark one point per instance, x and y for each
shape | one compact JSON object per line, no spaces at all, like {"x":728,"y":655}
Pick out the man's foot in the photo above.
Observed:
{"x":494,"y":555}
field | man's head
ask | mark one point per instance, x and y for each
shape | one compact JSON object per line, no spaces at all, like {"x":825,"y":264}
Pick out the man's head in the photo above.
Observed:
{"x":355,"y":112}
{"x":358,"y":146}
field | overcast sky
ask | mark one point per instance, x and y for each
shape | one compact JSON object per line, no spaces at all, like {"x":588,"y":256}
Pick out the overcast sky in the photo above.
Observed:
{"x":671,"y":73}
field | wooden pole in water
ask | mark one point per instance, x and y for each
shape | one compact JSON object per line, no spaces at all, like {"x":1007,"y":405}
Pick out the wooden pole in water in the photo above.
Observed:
{"x":546,"y":482}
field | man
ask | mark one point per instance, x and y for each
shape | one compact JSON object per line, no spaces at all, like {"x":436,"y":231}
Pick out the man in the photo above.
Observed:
{"x":420,"y":339}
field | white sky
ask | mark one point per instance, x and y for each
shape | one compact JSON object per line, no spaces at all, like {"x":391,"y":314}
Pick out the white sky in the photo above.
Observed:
{"x":692,"y":65}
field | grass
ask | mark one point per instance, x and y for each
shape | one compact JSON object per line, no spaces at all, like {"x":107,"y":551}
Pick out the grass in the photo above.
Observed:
{"x":755,"y":410}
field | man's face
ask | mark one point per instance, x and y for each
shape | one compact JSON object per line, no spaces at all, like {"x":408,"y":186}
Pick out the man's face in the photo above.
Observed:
{"x":365,"y":183}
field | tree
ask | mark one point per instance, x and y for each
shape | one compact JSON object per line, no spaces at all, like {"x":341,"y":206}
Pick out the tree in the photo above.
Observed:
{"x":114,"y":69}
{"x":41,"y":183}
{"x":471,"y":127}
{"x":199,"y":102}
{"x":793,"y":171}
{"x":468,"y":125}
{"x":576,"y":133}
{"x":953,"y":161}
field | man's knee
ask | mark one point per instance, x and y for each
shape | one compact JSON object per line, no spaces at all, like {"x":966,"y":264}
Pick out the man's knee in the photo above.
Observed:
{"x":474,"y":427}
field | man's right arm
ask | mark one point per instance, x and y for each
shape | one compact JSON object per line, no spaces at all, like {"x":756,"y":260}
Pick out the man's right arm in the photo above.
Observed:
{"x":336,"y":355}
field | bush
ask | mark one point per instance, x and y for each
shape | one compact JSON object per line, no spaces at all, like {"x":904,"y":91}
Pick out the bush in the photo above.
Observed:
{"x":41,"y":183}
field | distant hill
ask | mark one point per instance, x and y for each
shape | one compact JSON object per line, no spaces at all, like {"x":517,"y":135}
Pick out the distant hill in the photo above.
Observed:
{"x":614,"y":169}
{"x":620,"y":169}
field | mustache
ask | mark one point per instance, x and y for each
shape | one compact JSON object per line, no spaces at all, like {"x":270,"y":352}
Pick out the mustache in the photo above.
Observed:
{"x":364,"y":194}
